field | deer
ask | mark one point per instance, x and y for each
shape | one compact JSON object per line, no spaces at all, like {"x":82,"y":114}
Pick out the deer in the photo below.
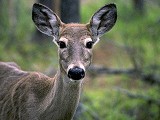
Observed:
{"x":29,"y":95}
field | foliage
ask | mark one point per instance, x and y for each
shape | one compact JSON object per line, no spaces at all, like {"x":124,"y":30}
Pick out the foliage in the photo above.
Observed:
{"x":20,"y":47}
{"x":138,"y":36}
{"x":100,"y":97}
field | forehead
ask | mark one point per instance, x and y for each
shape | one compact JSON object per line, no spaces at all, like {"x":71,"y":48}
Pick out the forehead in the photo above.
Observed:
{"x":75,"y":31}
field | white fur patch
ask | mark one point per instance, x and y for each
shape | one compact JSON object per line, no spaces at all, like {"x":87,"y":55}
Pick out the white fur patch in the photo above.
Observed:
{"x":97,"y":41}
{"x":74,"y":65}
{"x":90,"y":40}
{"x":70,"y":67}
{"x":87,"y":40}
{"x":54,"y":40}
{"x":61,"y":39}
{"x":82,"y":66}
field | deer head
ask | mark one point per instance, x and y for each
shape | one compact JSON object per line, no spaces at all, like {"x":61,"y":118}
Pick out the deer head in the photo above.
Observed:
{"x":74,"y":41}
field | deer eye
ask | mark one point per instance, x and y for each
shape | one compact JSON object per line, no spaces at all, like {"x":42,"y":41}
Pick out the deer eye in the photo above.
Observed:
{"x":89,"y":45}
{"x":62,"y":44}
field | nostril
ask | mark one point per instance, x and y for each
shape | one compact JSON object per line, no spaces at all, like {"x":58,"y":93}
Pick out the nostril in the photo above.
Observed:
{"x":76,"y":73}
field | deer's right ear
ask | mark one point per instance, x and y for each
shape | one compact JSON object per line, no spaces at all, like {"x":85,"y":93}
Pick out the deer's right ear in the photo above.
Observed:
{"x":46,"y":20}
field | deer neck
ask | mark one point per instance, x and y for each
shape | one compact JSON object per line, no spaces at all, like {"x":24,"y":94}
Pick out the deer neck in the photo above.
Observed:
{"x":64,"y":97}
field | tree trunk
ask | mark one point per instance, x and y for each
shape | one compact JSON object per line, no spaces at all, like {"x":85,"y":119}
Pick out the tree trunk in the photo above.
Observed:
{"x":70,"y":11}
{"x":139,"y":6}
{"x":8,"y":23}
{"x":48,"y":3}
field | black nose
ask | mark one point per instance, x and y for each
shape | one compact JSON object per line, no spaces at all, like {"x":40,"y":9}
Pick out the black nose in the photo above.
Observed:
{"x":76,"y":73}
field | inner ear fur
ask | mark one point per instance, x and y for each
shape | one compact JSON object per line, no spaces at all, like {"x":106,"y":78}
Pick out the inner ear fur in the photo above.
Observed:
{"x":46,"y":20}
{"x":103,"y":20}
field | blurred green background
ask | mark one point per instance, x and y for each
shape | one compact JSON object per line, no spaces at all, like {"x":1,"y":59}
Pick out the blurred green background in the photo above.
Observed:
{"x":125,"y":81}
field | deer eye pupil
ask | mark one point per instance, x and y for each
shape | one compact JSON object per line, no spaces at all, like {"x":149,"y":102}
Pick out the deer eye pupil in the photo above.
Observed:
{"x":62,"y":44}
{"x":89,"y":45}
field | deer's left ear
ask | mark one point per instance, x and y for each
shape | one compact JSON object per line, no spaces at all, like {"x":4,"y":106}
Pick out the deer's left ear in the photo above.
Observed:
{"x":103,"y":20}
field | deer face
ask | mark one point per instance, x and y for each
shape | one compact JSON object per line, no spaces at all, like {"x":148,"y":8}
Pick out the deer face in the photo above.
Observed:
{"x":74,"y":50}
{"x":75,"y":41}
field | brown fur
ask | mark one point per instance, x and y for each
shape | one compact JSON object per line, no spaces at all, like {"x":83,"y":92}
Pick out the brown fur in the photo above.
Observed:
{"x":27,"y":96}
{"x":35,"y":96}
